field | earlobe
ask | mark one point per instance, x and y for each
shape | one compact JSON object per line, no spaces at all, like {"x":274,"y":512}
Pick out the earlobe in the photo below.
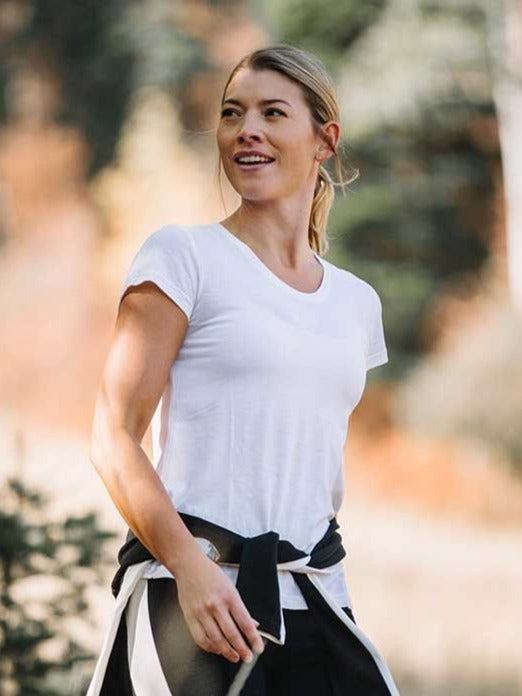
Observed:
{"x":319,"y":156}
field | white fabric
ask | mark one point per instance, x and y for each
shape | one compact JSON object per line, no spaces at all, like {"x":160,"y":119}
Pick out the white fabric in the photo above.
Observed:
{"x":146,"y":672}
{"x":250,"y":430}
{"x":130,"y":579}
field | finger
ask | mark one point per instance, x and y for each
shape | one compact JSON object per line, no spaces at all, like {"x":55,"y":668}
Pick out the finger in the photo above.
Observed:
{"x":218,"y":640}
{"x":200,"y":636}
{"x":247,"y":626}
{"x":233,"y":635}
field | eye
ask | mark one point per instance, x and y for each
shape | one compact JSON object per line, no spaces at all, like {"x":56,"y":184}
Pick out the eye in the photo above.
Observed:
{"x":272,"y":108}
{"x":228,"y":111}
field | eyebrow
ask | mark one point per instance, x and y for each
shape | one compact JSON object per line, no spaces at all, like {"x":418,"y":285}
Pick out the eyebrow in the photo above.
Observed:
{"x":263,"y":101}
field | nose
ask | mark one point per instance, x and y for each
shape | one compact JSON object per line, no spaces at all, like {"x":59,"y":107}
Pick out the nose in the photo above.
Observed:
{"x":250,"y":130}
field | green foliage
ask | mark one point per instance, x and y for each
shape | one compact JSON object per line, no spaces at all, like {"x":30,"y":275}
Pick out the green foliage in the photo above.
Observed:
{"x":420,"y":216}
{"x":328,"y":28}
{"x":71,"y":553}
{"x":98,"y":53}
{"x":469,"y":11}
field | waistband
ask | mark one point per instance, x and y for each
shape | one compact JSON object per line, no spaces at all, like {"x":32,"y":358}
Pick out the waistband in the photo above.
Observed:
{"x":259,"y":558}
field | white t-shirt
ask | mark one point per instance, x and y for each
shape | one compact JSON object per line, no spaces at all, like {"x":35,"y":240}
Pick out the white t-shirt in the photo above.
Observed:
{"x":250,"y":430}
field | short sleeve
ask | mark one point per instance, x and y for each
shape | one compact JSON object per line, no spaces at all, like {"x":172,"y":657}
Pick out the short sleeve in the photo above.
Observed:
{"x":377,"y":353}
{"x":168,"y":258}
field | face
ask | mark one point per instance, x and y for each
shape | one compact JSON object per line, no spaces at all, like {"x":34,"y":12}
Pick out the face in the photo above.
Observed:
{"x":265,"y":111}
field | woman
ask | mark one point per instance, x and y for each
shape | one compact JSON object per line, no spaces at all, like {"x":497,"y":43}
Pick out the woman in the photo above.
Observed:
{"x":250,"y":351}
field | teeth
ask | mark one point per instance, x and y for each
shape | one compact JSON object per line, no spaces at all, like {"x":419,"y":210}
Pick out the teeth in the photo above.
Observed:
{"x":253,"y":158}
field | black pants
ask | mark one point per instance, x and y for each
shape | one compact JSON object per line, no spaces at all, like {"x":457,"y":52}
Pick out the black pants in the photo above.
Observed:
{"x":155,"y":654}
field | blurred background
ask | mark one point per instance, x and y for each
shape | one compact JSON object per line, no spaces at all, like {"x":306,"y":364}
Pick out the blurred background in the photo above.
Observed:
{"x":108,"y":111}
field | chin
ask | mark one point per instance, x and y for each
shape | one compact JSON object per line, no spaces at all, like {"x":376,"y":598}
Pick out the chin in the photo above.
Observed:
{"x":256,"y":193}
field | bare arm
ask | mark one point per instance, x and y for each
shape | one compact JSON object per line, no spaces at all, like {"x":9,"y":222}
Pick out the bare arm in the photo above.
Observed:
{"x":149,"y":331}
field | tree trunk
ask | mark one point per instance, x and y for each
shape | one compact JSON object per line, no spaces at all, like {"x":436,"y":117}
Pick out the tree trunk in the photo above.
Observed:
{"x":505,"y":45}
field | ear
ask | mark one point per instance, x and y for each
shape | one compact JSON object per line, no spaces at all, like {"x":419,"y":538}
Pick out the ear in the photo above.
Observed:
{"x":330,"y":140}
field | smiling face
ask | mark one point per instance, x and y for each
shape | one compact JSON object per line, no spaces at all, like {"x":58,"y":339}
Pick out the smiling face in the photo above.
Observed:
{"x":263,"y":110}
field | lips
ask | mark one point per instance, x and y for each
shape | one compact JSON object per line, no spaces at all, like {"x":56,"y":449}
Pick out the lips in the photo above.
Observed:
{"x":251,"y":153}
{"x":252,"y":165}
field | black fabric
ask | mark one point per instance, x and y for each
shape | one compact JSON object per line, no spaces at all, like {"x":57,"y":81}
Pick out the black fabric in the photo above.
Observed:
{"x":344,"y":647}
{"x":326,"y":552}
{"x":303,"y":666}
{"x":261,"y":588}
{"x":257,"y":558}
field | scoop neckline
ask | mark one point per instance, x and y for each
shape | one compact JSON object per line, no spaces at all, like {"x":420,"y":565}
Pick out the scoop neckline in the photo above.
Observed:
{"x":275,"y":279}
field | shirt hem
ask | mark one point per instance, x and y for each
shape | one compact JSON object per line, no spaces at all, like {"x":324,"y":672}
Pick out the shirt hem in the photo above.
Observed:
{"x":293,"y":603}
{"x":376,"y":359}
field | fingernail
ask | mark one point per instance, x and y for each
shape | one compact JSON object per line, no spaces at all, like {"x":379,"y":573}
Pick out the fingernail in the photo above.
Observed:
{"x":249,"y":657}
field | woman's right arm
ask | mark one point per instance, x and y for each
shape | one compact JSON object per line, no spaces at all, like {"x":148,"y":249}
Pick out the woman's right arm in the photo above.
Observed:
{"x":149,"y":331}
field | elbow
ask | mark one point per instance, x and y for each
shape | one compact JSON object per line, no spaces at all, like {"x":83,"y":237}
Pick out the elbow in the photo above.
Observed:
{"x":95,"y":455}
{"x":103,"y":433}
{"x":109,"y":446}
{"x":98,"y":454}
{"x":110,"y":436}
{"x":102,"y":441}
{"x":99,"y":430}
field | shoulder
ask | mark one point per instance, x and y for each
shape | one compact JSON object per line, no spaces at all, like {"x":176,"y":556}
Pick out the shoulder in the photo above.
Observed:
{"x":173,"y":241}
{"x":175,"y":235}
{"x":168,"y":236}
{"x":168,"y":257}
{"x":356,"y":285}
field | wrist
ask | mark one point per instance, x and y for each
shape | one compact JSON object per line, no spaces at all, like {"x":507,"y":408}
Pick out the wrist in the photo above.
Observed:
{"x":184,"y":556}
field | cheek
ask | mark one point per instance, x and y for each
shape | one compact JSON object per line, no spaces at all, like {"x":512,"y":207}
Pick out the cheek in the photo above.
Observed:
{"x":222,"y":142}
{"x":297,"y":157}
{"x":225,"y":138}
{"x":295,"y":147}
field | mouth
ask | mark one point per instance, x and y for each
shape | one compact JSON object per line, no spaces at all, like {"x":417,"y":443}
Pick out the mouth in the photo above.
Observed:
{"x":252,"y":166}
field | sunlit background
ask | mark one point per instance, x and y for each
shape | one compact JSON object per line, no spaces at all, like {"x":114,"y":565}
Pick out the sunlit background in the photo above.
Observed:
{"x":108,"y":111}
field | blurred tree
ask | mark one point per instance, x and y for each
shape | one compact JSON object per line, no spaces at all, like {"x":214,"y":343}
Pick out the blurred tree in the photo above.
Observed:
{"x":328,"y":29}
{"x":72,"y":554}
{"x":87,"y":59}
{"x":423,"y":217}
{"x":505,"y":42}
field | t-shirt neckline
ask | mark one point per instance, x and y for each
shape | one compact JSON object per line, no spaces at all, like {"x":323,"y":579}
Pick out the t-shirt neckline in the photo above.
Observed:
{"x":250,"y":253}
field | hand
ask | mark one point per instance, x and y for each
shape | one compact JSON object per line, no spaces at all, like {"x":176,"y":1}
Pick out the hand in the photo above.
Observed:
{"x":214,"y":610}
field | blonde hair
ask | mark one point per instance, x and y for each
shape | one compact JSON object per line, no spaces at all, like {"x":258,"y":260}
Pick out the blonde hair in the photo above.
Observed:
{"x":318,"y":89}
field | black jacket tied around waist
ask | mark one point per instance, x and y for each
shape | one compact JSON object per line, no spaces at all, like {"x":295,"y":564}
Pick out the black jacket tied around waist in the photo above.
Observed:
{"x":258,"y":558}
{"x":358,"y":669}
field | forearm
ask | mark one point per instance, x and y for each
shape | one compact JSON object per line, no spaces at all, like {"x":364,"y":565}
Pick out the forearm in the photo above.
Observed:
{"x":141,"y":498}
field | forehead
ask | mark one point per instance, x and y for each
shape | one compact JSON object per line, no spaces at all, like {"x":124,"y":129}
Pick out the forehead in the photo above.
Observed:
{"x":249,"y":85}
